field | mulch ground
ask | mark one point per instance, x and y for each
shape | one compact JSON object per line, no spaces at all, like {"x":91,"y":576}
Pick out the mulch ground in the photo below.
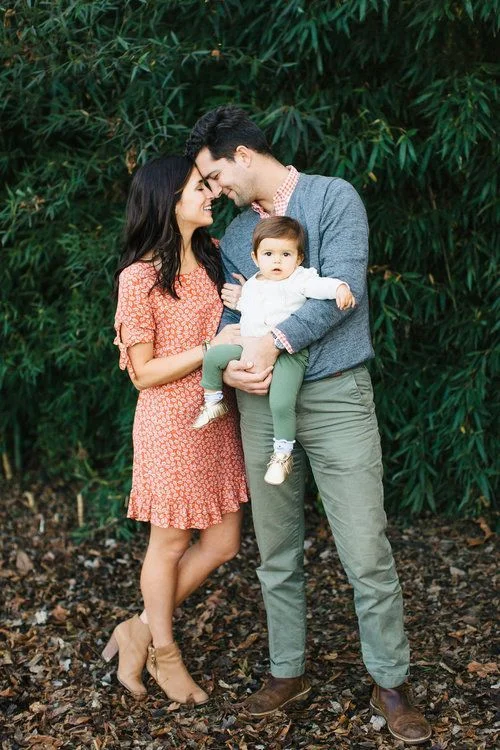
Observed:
{"x":61,"y":600}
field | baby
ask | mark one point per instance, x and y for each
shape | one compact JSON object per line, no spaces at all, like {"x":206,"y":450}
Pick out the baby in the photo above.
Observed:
{"x":279,"y":288}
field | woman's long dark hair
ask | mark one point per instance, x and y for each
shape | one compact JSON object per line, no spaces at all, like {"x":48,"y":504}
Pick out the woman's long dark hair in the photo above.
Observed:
{"x":151,"y":224}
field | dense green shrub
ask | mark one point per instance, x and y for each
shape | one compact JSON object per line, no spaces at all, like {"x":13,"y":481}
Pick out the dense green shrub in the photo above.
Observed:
{"x":400,"y":98}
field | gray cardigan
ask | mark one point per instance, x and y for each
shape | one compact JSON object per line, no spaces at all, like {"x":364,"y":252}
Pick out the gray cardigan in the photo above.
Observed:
{"x":336,"y":226}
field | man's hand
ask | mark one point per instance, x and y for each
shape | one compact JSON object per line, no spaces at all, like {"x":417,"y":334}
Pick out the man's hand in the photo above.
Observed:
{"x":260,"y":350}
{"x":239,"y":374}
{"x":231,"y":293}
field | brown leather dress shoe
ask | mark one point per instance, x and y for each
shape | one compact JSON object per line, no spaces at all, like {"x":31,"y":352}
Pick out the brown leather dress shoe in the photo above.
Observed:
{"x":277,"y":693}
{"x":403,"y":720}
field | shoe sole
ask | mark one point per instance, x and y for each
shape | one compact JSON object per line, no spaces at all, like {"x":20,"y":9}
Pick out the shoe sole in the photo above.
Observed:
{"x":394,"y":733}
{"x":300,"y":697}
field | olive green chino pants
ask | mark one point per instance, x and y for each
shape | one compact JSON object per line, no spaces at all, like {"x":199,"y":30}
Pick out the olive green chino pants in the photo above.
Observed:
{"x":337,"y":429}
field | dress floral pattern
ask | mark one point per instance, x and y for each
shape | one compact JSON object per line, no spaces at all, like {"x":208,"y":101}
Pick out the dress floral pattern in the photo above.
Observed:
{"x":182,"y":478}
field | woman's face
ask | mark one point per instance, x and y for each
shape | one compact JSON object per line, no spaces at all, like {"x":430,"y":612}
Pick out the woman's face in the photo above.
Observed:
{"x":194,"y":207}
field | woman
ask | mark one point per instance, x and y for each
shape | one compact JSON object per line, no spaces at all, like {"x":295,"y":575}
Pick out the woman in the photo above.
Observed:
{"x":168,"y":312}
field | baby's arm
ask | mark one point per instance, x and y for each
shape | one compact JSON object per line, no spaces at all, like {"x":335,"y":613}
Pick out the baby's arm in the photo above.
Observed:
{"x":324,"y":287}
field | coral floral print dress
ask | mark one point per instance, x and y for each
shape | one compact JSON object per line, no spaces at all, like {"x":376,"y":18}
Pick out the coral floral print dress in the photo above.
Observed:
{"x":183,"y":478}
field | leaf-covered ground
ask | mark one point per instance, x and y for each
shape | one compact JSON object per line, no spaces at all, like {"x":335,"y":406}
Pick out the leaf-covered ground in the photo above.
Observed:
{"x":62,"y":599}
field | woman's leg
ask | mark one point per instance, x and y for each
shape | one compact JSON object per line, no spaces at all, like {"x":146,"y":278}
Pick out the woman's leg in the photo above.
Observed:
{"x":216,"y":545}
{"x":159,"y":577}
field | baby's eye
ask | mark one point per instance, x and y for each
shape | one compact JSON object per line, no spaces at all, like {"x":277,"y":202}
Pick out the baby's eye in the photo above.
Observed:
{"x":268,"y":253}
{"x":286,"y":255}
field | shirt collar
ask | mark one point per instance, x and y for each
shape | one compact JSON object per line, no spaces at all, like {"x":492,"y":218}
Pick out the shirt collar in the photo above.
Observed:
{"x":282,"y":196}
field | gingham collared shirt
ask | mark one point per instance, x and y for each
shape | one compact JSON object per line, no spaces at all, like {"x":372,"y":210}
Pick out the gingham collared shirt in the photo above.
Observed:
{"x":282,"y":195}
{"x":280,"y":203}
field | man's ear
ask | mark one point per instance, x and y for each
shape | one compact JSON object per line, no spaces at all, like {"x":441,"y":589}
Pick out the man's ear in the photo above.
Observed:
{"x":243,"y":156}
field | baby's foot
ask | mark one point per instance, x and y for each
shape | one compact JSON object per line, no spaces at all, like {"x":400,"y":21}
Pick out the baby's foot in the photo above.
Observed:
{"x":209,"y":412}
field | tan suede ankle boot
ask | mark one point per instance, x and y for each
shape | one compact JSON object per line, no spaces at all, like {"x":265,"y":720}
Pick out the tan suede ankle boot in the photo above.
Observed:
{"x":165,"y":665}
{"x":130,"y":639}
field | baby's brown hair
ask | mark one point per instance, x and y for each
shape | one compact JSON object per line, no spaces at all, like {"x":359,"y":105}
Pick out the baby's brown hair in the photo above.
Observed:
{"x":276,"y":227}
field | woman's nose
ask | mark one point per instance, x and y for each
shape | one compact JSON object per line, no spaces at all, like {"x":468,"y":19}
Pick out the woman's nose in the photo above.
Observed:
{"x":215,"y":188}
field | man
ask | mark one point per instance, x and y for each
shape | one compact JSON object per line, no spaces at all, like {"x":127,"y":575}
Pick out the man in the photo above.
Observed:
{"x":336,"y":422}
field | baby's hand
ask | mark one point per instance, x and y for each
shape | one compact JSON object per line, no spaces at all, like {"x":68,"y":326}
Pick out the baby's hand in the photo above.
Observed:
{"x":231,"y":293}
{"x":345,"y":298}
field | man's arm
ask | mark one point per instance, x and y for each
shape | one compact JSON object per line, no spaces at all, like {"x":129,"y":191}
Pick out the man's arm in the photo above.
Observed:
{"x":343,"y":255}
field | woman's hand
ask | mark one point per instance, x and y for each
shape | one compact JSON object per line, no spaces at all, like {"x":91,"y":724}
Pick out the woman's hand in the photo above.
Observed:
{"x":231,"y":293}
{"x":230,"y":334}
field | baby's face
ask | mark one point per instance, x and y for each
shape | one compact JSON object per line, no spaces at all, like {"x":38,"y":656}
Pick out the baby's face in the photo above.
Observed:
{"x":277,"y":258}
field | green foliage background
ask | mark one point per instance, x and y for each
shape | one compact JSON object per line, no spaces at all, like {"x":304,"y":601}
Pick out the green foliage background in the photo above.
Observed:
{"x":401,"y":98}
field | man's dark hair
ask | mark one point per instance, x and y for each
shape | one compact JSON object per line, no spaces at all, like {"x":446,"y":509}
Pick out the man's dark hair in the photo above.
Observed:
{"x":222,"y":130}
{"x":276,"y":227}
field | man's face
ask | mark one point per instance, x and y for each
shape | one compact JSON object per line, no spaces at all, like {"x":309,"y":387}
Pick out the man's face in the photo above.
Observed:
{"x":233,"y":178}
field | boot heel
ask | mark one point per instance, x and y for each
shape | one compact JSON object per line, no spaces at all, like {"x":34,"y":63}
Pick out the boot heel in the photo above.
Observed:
{"x":111,"y":649}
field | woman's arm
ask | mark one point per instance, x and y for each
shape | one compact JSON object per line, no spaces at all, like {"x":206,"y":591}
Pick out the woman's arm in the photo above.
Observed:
{"x":150,"y":371}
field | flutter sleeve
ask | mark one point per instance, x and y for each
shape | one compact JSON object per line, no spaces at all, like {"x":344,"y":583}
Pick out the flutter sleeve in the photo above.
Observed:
{"x":134,"y":310}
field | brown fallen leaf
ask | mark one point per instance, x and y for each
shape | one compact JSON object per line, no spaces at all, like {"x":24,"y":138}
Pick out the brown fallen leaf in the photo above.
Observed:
{"x":38,"y":708}
{"x":484,"y":527}
{"x":23,"y":562}
{"x":59,"y":613}
{"x":43,"y":740}
{"x":333,"y":656}
{"x":77,"y":720}
{"x":249,"y":640}
{"x":459,"y":634}
{"x":475,"y":541}
{"x":482,"y":670}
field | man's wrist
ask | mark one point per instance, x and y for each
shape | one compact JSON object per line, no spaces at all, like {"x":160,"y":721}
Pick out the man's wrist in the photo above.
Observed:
{"x":278,"y":344}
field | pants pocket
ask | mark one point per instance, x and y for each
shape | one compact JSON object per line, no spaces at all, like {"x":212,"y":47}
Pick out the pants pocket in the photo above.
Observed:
{"x":362,"y":385}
